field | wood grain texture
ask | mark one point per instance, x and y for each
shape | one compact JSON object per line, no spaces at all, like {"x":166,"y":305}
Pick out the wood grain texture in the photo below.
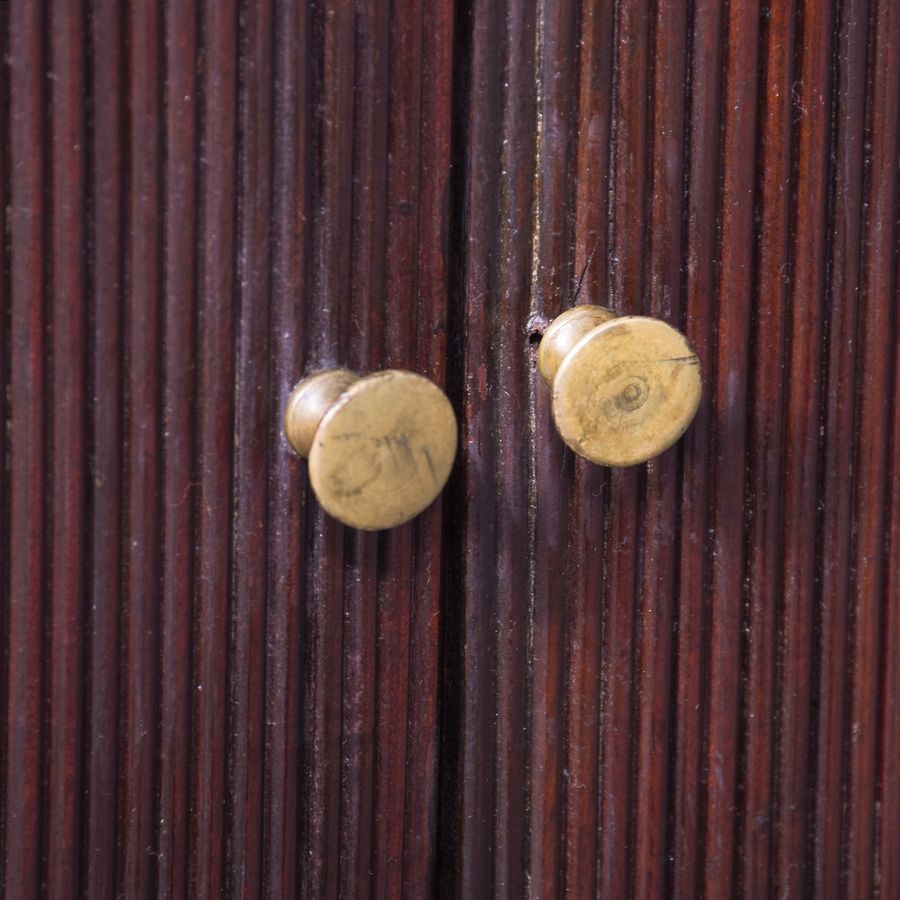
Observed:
{"x":285,"y":576}
{"x":106,"y":429}
{"x":67,"y":433}
{"x":179,"y":418}
{"x":676,"y":680}
{"x":842,"y":329}
{"x":24,"y":798}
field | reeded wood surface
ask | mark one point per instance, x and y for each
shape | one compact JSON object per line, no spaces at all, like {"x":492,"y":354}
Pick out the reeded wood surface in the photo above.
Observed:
{"x":674,"y":680}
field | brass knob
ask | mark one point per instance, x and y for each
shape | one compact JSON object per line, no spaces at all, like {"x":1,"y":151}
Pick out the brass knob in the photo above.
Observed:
{"x":624,"y":388}
{"x":380,"y":448}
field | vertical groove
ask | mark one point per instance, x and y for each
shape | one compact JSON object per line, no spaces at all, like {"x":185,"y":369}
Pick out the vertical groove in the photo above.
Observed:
{"x":326,"y":344}
{"x":665,"y":205}
{"x":887,"y":863}
{"x":532,"y":697}
{"x":879,"y":230}
{"x":470,"y":786}
{"x":850,"y":732}
{"x":66,"y":448}
{"x":247,"y":624}
{"x":702,"y":248}
{"x":513,"y":363}
{"x":200,"y":167}
{"x":590,"y":484}
{"x":605,"y":662}
{"x":421,"y":845}
{"x":48,"y":302}
{"x":5,"y":425}
{"x":217,"y":243}
{"x":673,"y":763}
{"x":164,"y":353}
{"x":839,"y":430}
{"x":395,"y":547}
{"x":765,"y":446}
{"x":6,"y":435}
{"x":714,"y":217}
{"x":729,"y":385}
{"x":422,"y":625}
{"x":805,"y":329}
{"x":87,"y":337}
{"x":108,"y":142}
{"x":817,"y":666}
{"x":179,"y":452}
{"x":786,"y":613}
{"x":627,"y":246}
{"x":451,"y":761}
{"x":642,"y":834}
{"x":552,"y":279}
{"x":366,"y":353}
{"x":290,"y":258}
{"x":24,"y":732}
{"x":143,"y":429}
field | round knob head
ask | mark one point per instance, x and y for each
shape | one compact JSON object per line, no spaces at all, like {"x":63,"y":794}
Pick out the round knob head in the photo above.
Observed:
{"x":626,"y":391}
{"x":384,"y":450}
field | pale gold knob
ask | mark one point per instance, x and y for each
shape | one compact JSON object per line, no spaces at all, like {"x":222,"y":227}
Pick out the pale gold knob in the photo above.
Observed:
{"x":624,"y":388}
{"x":380,"y":448}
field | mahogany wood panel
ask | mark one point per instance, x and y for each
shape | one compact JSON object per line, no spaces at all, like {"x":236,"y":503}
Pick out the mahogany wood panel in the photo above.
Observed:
{"x":676,"y":680}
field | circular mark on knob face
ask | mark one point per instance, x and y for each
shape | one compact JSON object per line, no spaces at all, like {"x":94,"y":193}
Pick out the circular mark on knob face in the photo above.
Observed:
{"x":626,"y":391}
{"x":634,"y":395}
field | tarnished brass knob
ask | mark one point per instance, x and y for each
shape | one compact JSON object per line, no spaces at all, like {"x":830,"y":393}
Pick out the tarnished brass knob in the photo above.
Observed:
{"x":380,"y":448}
{"x":624,"y":388}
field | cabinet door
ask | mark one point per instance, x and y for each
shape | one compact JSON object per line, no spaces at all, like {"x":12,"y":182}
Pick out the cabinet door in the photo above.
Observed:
{"x":678,"y":679}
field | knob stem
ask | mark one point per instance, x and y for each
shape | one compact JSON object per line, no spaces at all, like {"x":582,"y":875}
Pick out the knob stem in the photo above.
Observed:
{"x":309,"y":401}
{"x":563,"y":334}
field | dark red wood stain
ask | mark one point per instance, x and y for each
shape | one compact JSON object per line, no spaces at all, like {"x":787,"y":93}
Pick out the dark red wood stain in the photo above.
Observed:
{"x":142,"y":526}
{"x":107,"y":196}
{"x":678,"y":680}
{"x":252,"y":412}
{"x":179,"y":417}
{"x":513,"y":370}
{"x":765,"y":451}
{"x":842,"y":323}
{"x":68,"y":441}
{"x":694,"y":594}
{"x":286,"y":578}
{"x":25,"y":796}
{"x":366,"y":353}
{"x":876,"y":337}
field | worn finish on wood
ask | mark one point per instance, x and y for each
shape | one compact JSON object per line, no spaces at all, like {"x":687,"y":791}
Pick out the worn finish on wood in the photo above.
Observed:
{"x":677,"y":680}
